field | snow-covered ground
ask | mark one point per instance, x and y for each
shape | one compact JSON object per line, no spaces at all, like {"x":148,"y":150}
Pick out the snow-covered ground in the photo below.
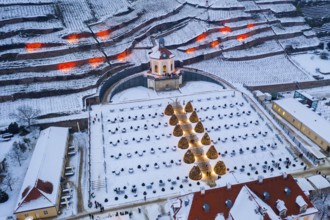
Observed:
{"x":133,"y":149}
{"x":15,"y":171}
{"x":313,"y":64}
{"x":270,"y":70}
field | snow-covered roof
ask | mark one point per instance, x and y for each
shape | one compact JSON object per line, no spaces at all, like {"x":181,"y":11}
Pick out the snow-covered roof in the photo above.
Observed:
{"x":300,"y":201}
{"x":306,"y":95}
{"x":160,"y":53}
{"x":42,"y":180}
{"x":249,"y":200}
{"x":280,"y":205}
{"x":247,"y":207}
{"x":304,"y":184}
{"x":306,"y":116}
{"x":319,"y":181}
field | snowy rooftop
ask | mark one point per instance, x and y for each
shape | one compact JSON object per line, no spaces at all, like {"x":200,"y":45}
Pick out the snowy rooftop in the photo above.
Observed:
{"x":246,"y":200}
{"x":305,"y":185}
{"x":306,"y":116}
{"x":245,"y":205}
{"x":42,"y":180}
{"x":160,"y":53}
{"x":319,"y":181}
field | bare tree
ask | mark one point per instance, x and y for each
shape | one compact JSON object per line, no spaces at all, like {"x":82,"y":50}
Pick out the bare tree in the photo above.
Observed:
{"x":25,"y":114}
{"x":18,"y":151}
{"x":9,"y":181}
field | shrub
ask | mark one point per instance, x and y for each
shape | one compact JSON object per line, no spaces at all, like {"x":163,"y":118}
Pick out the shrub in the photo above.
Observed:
{"x":3,"y":196}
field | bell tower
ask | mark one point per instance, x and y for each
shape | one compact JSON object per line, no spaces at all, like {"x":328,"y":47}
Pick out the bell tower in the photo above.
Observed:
{"x":162,"y":74}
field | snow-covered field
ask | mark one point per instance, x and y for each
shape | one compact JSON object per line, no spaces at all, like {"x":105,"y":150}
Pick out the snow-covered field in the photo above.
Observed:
{"x":68,"y":104}
{"x":271,"y":70}
{"x":134,"y":154}
{"x":313,"y":64}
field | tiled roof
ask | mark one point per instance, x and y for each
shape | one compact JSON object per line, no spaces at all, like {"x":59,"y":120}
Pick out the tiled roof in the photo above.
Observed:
{"x":161,"y":53}
{"x":275,"y":186}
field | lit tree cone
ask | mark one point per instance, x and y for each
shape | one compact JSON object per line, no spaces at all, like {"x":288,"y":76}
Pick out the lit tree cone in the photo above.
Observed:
{"x":189,"y":107}
{"x":194,"y":117}
{"x":169,"y":110}
{"x":195,"y":173}
{"x":189,"y":157}
{"x":177,"y":131}
{"x":183,"y":143}
{"x":206,"y":140}
{"x":199,"y":128}
{"x":212,"y":153}
{"x":174,"y":120}
{"x":220,"y":168}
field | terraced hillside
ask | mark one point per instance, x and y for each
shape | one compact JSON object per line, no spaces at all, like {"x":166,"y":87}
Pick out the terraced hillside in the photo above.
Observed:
{"x":65,"y":49}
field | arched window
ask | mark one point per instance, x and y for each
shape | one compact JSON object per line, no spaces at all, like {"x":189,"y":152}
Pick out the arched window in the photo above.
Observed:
{"x":156,"y":68}
{"x":164,"y":69}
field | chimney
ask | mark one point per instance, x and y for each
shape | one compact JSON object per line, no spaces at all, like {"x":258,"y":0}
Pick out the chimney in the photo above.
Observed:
{"x":301,"y":203}
{"x":202,"y":191}
{"x":280,"y":205}
{"x":228,"y":186}
{"x":260,"y":179}
{"x":285,"y":175}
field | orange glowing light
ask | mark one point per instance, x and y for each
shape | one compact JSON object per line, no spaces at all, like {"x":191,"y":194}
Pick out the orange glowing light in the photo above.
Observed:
{"x":65,"y":67}
{"x":31,"y":47}
{"x":250,"y":26}
{"x":191,"y":50}
{"x":214,"y":43}
{"x":73,"y":38}
{"x":242,"y":37}
{"x":225,"y":30}
{"x":104,"y":35}
{"x":96,"y":61}
{"x":121,"y":57}
{"x":201,"y":37}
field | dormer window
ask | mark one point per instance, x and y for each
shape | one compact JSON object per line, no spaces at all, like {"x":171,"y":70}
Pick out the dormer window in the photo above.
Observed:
{"x":301,"y":203}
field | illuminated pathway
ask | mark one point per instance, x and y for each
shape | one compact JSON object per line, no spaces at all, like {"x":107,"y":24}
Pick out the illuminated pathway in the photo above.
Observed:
{"x":204,"y":169}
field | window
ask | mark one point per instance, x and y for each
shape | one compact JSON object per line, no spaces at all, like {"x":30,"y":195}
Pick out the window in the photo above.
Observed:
{"x":283,"y":113}
{"x":322,"y":142}
{"x":26,"y":215}
{"x":172,"y":67}
{"x":275,"y":105}
{"x":45,"y":212}
{"x":164,"y":69}
{"x":156,"y":68}
{"x":293,"y":120}
{"x":315,"y":138}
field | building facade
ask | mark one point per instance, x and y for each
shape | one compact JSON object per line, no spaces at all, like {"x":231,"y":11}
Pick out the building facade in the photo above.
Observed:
{"x":305,"y":120}
{"x":162,"y":74}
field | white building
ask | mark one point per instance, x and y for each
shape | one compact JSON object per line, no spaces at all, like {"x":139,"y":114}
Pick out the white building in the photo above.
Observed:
{"x":162,"y":74}
{"x":41,"y":190}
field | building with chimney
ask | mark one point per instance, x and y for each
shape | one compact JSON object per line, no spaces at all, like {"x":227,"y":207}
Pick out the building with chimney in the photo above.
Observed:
{"x":41,"y":190}
{"x":273,"y":198}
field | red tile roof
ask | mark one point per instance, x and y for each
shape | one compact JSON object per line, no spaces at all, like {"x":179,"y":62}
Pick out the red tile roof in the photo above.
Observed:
{"x":216,"y":198}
